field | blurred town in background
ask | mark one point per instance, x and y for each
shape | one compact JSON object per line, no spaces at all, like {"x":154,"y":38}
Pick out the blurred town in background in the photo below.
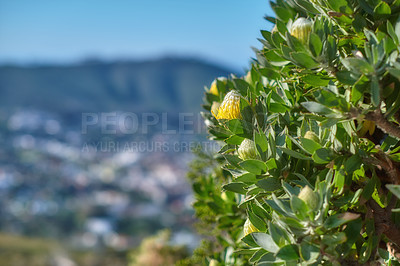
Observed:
{"x":77,"y":185}
{"x":65,"y":176}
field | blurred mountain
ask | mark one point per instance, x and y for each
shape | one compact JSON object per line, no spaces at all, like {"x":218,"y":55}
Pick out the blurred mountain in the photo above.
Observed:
{"x":169,"y":84}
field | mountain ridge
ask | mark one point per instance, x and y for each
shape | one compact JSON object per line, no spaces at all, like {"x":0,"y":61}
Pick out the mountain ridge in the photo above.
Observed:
{"x":165,"y":85}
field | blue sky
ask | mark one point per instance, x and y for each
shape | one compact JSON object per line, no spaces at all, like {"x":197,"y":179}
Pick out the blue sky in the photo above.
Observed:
{"x":67,"y":31}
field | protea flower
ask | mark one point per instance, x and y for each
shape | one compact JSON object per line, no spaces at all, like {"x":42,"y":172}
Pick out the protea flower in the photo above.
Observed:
{"x":247,"y":150}
{"x":214,"y":109}
{"x":311,"y":136}
{"x":309,"y":197}
{"x":301,"y":29}
{"x":249,"y":228}
{"x":230,"y":106}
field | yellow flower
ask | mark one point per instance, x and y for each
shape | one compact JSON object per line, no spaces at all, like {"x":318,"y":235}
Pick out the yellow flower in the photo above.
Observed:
{"x":230,"y":106}
{"x":249,"y":228}
{"x":301,"y":29}
{"x":214,"y":108}
{"x":214,"y":88}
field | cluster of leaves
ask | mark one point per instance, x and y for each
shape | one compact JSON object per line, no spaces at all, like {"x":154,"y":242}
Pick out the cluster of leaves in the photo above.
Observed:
{"x":339,"y":80}
{"x":219,"y":217}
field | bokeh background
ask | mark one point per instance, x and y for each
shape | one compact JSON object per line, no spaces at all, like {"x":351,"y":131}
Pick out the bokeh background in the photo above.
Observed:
{"x":75,"y":189}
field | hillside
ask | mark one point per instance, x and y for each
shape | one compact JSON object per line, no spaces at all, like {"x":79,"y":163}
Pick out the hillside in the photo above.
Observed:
{"x":173,"y":85}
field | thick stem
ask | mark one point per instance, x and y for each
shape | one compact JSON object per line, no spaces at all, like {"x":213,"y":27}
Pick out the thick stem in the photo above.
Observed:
{"x":384,"y":224}
{"x":383,"y":162}
{"x":381,"y":122}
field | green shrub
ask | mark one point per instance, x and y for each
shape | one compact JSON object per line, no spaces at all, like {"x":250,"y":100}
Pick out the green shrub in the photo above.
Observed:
{"x":321,"y":104}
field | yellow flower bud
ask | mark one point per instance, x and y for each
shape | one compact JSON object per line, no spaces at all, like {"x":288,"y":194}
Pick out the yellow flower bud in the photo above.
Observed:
{"x":309,"y":197}
{"x":214,"y":88}
{"x":249,"y":228}
{"x":230,"y":106}
{"x":214,"y":108}
{"x":311,"y":136}
{"x":301,"y":29}
{"x":247,"y":150}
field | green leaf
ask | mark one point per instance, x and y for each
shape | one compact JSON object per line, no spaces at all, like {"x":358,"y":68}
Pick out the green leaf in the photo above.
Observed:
{"x":294,"y":43}
{"x":261,"y":141}
{"x":375,"y":92}
{"x":395,"y":72}
{"x":241,"y":85}
{"x":347,"y":77}
{"x":395,"y":189}
{"x":294,"y":154}
{"x":219,"y":132}
{"x":315,"y":80}
{"x":334,"y":239}
{"x":283,"y":14}
{"x":289,"y":189}
{"x":278,"y":234}
{"x":391,"y":32}
{"x":253,"y":166}
{"x":234,"y":139}
{"x":257,"y":255}
{"x":265,"y":241}
{"x":269,"y":260}
{"x":271,"y":164}
{"x":269,"y":184}
{"x":246,"y":178}
{"x":249,"y":240}
{"x":382,"y":10}
{"x":304,"y":60}
{"x":358,"y":65}
{"x":270,"y":73}
{"x":257,"y":221}
{"x":315,"y":44}
{"x":322,"y":156}
{"x":275,"y":59}
{"x":288,"y":253}
{"x":237,"y":187}
{"x":299,"y":207}
{"x":339,"y":180}
{"x":353,"y":163}
{"x":352,"y":232}
{"x":341,"y":6}
{"x":240,"y":128}
{"x":232,"y":159}
{"x":278,"y":108}
{"x":339,"y":219}
{"x":309,"y":252}
{"x":318,"y":108}
{"x":307,"y":6}
{"x":310,"y":145}
{"x":369,"y":188}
